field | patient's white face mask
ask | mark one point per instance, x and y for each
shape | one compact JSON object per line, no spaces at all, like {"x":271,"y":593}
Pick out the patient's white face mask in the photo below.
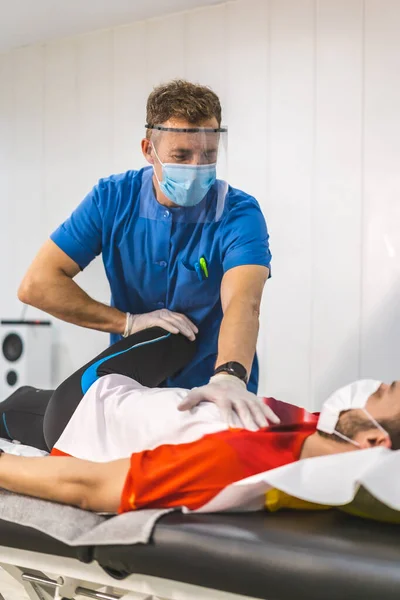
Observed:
{"x":354,"y":395}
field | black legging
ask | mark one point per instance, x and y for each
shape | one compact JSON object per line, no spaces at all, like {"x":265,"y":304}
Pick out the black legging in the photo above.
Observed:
{"x":38,"y":417}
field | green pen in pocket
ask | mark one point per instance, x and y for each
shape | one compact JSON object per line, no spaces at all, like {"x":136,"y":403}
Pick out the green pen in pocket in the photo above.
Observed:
{"x":203,"y":266}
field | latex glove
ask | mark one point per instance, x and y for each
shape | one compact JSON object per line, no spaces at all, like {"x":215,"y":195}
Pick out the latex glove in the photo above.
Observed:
{"x":231,"y":396}
{"x":168,"y":320}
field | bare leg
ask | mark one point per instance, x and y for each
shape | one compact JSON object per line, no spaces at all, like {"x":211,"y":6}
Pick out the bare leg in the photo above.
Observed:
{"x":88,"y":485}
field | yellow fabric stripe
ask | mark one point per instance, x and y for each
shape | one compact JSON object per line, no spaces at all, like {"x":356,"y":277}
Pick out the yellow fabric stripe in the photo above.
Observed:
{"x":364,"y":505}
{"x":275,"y":500}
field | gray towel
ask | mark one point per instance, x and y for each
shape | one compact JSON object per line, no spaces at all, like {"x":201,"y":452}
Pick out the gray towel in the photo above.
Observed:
{"x":76,"y":527}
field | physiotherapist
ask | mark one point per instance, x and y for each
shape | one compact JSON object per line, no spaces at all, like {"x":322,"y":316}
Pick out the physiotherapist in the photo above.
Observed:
{"x":182,"y":250}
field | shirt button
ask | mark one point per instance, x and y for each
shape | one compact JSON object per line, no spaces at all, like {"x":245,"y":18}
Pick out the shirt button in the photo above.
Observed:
{"x":160,"y":304}
{"x":163,"y":264}
{"x":166,"y":214}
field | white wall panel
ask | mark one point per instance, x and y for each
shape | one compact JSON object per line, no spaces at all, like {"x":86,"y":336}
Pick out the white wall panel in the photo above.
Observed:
{"x":337,"y":199}
{"x":291,"y":150}
{"x":61,"y":132}
{"x":7,"y":247}
{"x":27,"y":169}
{"x":164,"y":50}
{"x":95,"y":80}
{"x":206,"y":42}
{"x":381,"y":213}
{"x":130,"y":92}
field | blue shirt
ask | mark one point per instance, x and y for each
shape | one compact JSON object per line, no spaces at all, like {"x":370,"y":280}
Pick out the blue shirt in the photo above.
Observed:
{"x":149,"y":253}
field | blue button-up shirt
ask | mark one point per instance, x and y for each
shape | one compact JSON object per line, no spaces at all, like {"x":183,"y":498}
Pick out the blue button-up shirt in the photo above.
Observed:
{"x":150,"y":252}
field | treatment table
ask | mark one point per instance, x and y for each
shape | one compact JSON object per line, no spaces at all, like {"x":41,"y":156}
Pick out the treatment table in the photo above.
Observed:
{"x":285,"y":555}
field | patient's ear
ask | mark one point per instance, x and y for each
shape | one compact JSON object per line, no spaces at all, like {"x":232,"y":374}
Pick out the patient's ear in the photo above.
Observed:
{"x":372,"y":438}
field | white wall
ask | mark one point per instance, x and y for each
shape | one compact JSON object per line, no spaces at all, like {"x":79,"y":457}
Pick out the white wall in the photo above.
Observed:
{"x":311,"y":95}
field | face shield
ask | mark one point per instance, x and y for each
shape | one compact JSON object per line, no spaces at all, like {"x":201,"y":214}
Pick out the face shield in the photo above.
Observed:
{"x":190,"y":166}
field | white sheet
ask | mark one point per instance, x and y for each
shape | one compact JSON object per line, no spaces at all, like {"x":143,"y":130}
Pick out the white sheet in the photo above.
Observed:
{"x":328,"y":480}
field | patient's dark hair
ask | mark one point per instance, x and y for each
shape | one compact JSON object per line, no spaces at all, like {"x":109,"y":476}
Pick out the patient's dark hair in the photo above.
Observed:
{"x":351,"y":424}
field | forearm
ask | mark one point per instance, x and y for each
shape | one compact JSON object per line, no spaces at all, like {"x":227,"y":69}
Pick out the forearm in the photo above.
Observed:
{"x":238,"y":334}
{"x":49,"y":478}
{"x":86,"y":484}
{"x":61,"y":297}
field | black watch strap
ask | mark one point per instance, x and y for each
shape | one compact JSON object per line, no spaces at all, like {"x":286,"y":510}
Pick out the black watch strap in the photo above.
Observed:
{"x":233,"y":368}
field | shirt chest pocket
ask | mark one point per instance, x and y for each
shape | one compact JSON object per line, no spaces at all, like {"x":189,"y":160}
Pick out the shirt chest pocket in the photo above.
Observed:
{"x":194,"y":290}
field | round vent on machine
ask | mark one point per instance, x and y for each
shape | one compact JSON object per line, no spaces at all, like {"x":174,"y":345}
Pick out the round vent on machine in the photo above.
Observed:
{"x":11,"y":378}
{"x":12,"y":347}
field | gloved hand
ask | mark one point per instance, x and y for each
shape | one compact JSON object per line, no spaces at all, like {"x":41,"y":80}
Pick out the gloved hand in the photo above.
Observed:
{"x":168,"y":320}
{"x":231,"y":396}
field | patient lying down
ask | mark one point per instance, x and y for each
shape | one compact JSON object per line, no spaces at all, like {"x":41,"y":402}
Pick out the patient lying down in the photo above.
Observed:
{"x":133,"y":449}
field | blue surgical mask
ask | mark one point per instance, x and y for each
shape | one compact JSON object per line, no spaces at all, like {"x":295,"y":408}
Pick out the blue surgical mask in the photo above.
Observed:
{"x":186,"y":185}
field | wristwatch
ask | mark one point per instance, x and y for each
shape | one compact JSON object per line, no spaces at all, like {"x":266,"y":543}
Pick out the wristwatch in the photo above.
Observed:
{"x":233,"y":368}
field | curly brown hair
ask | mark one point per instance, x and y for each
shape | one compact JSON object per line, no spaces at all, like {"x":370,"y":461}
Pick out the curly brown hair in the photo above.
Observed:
{"x":182,"y":99}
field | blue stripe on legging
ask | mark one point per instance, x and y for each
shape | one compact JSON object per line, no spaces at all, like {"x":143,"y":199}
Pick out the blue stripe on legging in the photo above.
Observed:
{"x":5,"y":426}
{"x":90,"y":375}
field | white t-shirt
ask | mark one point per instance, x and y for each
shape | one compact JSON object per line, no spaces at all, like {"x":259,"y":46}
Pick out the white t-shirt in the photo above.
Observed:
{"x":118,"y":416}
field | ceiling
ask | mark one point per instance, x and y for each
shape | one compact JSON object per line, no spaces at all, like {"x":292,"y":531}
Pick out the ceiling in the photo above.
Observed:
{"x":25,"y":22}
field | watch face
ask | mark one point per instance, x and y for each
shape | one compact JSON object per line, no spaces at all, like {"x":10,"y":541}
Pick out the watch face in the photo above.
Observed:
{"x":238,"y":369}
{"x":234,"y":368}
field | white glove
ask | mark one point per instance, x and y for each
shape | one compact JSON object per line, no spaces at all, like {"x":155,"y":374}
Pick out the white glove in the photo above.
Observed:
{"x":231,"y":396}
{"x":168,"y":320}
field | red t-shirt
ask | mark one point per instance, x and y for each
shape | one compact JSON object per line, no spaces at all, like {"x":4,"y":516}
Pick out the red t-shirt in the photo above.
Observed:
{"x":193,"y":474}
